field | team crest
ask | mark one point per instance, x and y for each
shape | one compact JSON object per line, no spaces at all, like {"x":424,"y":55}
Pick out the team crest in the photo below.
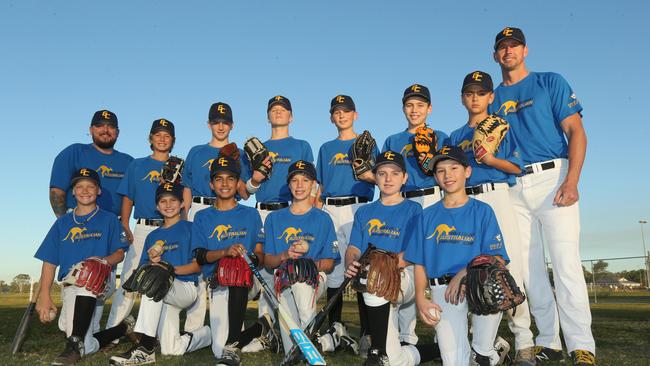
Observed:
{"x":77,"y":233}
{"x":208,"y":164}
{"x":339,"y":158}
{"x":379,"y":228}
{"x":152,"y":176}
{"x":407,"y":150}
{"x":107,"y":172}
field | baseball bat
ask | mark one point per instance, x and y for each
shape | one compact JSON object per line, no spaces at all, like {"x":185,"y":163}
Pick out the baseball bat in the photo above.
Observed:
{"x":23,"y":327}
{"x":299,"y":337}
{"x":318,"y":320}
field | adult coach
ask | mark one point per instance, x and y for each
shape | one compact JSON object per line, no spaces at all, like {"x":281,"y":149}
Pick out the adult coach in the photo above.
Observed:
{"x":100,"y":156}
{"x":542,"y":110}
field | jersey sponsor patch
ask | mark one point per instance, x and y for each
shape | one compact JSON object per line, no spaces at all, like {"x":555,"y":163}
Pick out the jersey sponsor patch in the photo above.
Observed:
{"x":379,"y":228}
{"x":340,"y":158}
{"x":292,"y":234}
{"x":448,"y":234}
{"x":152,"y":176}
{"x":76,"y":234}
{"x":277,"y":158}
{"x":223,"y":232}
{"x":108,"y":172}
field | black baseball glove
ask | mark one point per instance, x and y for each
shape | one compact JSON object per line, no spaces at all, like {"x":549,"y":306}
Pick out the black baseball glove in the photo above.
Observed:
{"x":363,"y":157}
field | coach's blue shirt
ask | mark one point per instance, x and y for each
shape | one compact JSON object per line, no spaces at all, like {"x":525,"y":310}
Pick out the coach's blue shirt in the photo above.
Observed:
{"x":334,"y":169}
{"x":283,"y":153}
{"x":139,"y":185}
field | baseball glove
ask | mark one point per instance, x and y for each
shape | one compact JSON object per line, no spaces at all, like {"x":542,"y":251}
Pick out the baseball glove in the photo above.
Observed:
{"x":152,"y":279}
{"x":488,"y":135}
{"x":294,"y":271}
{"x":363,"y":157}
{"x":231,"y":271}
{"x":172,"y":170}
{"x":230,"y":150}
{"x":490,"y":287}
{"x":425,"y":145}
{"x":92,"y":274}
{"x":379,"y":275}
{"x":257,"y":153}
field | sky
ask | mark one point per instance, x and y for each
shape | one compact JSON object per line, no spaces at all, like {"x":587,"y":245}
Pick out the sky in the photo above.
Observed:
{"x":60,"y":61}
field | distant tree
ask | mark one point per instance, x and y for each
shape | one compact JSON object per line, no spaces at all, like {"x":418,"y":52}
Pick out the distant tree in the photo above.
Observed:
{"x":4,"y":287}
{"x":600,"y":270}
{"x":587,"y":274}
{"x":21,"y":283}
{"x":634,"y":275}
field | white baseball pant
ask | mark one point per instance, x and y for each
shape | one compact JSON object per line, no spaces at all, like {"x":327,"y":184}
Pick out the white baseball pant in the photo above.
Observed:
{"x":66,"y":317}
{"x":196,"y":313}
{"x":342,"y":217}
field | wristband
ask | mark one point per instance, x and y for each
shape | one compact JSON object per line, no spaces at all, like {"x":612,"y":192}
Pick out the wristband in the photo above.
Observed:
{"x":250,"y":187}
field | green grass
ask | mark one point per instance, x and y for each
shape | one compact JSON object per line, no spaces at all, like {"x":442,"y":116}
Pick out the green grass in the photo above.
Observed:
{"x":622,"y":332}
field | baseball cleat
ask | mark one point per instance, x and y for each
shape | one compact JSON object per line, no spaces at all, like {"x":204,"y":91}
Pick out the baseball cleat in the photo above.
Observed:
{"x":543,"y":354}
{"x":137,"y":355}
{"x":581,"y":357}
{"x":349,"y":344}
{"x":274,"y":341}
{"x":376,"y":358}
{"x":477,"y":359}
{"x":230,"y":356}
{"x":74,"y":350}
{"x":364,"y":345}
{"x":525,"y":357}
{"x":503,"y":348}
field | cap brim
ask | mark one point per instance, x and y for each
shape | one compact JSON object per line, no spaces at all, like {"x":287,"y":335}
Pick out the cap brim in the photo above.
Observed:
{"x":217,"y":120}
{"x":158,"y":197}
{"x":284,"y":104}
{"x":345,"y":108}
{"x":416,"y":95}
{"x":303,"y":172}
{"x":231,"y":172}
{"x":475,"y":83}
{"x":438,"y":158}
{"x":377,"y":165}
{"x":77,"y":179}
{"x":496,"y":44}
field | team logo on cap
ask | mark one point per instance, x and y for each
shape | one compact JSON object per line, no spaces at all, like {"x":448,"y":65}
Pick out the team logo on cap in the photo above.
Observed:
{"x":221,"y":109}
{"x":85,"y":172}
{"x":163,"y":122}
{"x":477,"y":76}
{"x":168,"y":187}
{"x":300,"y":164}
{"x":106,"y":114}
{"x":278,"y":98}
{"x":416,"y":88}
{"x":222,"y":161}
{"x":340,"y":99}
{"x":444,"y":150}
{"x":507,"y":32}
{"x":389,"y":155}
{"x":153,"y":176}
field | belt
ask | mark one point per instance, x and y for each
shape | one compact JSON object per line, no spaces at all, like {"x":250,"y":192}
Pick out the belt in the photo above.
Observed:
{"x":530,"y":169}
{"x":484,"y":188}
{"x":150,"y":222}
{"x":272,"y":206}
{"x":344,"y":201}
{"x":204,"y":200}
{"x":439,"y":281}
{"x":421,"y":192}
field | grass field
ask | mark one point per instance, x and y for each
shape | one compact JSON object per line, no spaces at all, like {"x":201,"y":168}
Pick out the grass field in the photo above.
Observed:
{"x":621,"y":325}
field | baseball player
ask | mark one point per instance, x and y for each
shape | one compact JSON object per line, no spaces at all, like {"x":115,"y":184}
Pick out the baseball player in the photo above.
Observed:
{"x":489,"y":183}
{"x":388,"y":224}
{"x":300,"y":239}
{"x":222,"y":232}
{"x":171,"y":243}
{"x":86,"y":232}
{"x":138,"y":190}
{"x":274,"y":193}
{"x":341,"y":194}
{"x":545,"y":118}
{"x":449,"y":234}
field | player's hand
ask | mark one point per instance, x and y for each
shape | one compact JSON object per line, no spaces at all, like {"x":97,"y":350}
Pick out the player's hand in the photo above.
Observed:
{"x":235,"y":250}
{"x":429,"y":311}
{"x":293,"y":252}
{"x":258,"y":177}
{"x":455,"y":292}
{"x":45,"y":308}
{"x":566,"y":195}
{"x":352,"y":269}
{"x":488,"y":159}
{"x":128,"y":233}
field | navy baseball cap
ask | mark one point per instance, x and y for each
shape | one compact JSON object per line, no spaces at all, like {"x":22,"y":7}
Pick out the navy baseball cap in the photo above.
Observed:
{"x":302,"y":167}
{"x":224,"y":164}
{"x":509,"y":33}
{"x":103,"y":117}
{"x":169,"y":188}
{"x":220,"y":112}
{"x":480,"y":78}
{"x":162,"y":125}
{"x":417,"y":91}
{"x":450,"y":152}
{"x":85,"y":173}
{"x":279,"y":100}
{"x":343,"y":102}
{"x":389,"y":157}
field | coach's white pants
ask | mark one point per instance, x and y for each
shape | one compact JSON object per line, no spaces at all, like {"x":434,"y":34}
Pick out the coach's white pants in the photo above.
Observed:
{"x":196,"y":313}
{"x":452,"y":329}
{"x":66,"y":318}
{"x":162,"y":319}
{"x":560,"y":227}
{"x":398,"y":355}
{"x":501,"y":203}
{"x":342,"y":217}
{"x":123,"y":301}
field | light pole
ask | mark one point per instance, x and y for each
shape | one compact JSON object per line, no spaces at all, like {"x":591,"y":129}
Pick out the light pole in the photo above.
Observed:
{"x":645,"y":255}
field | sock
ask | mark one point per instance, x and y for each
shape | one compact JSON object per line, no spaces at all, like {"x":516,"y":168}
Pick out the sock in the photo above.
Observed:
{"x":107,"y":336}
{"x":148,"y":342}
{"x":237,"y":300}
{"x":378,"y":325}
{"x":335,"y":312}
{"x":249,"y":334}
{"x":84,"y":308}
{"x":363,"y":315}
{"x":428,"y":352}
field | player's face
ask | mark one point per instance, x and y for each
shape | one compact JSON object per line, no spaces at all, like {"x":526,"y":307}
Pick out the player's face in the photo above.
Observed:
{"x":510,"y":54}
{"x":300,"y":186}
{"x":220,"y":130}
{"x":161,"y":141}
{"x":169,"y":206}
{"x":390,"y":178}
{"x":476,"y":99}
{"x":279,"y":116}
{"x":416,"y":111}
{"x":224,"y":185}
{"x":104,"y":135}
{"x":85,"y":191}
{"x":451,"y":175}
{"x":343,"y":119}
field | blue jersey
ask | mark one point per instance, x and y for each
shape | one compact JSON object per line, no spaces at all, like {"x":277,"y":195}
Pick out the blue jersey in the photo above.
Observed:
{"x":482,"y":173}
{"x":139,"y":185}
{"x":283,"y":152}
{"x":403,"y":142}
{"x":69,"y":242}
{"x":111,"y":168}
{"x":534,"y":107}
{"x":196,"y":173}
{"x":214,"y":229}
{"x":448,"y":238}
{"x":283,"y":228}
{"x":386,"y":227}
{"x":177,"y":244}
{"x":334,"y":169}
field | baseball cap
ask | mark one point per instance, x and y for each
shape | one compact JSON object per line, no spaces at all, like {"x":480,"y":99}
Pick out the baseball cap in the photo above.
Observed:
{"x":450,"y":152}
{"x":302,"y":167}
{"x":220,"y":112}
{"x":480,"y":78}
{"x":102,"y":117}
{"x":418,"y":91}
{"x":173,"y":189}
{"x":85,"y":173}
{"x":389,"y":157}
{"x":224,"y":164}
{"x":162,"y":125}
{"x":342,"y":101}
{"x":279,"y":99}
{"x":509,"y":33}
